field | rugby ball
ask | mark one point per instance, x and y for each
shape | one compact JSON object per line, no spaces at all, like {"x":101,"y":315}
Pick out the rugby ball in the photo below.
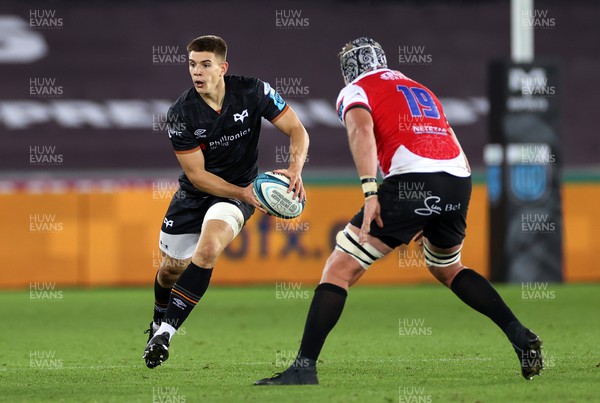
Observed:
{"x":270,"y":189}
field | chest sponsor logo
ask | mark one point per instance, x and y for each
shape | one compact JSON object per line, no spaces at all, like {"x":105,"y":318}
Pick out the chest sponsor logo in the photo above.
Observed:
{"x":239,"y":117}
{"x":225,"y":140}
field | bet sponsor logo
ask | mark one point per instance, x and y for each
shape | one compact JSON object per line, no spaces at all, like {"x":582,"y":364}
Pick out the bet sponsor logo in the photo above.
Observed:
{"x":431,"y":206}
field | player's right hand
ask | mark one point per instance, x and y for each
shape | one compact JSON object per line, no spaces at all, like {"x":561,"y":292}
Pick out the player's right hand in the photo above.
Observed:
{"x":371,"y":211}
{"x":296,"y":184}
{"x":249,"y":197}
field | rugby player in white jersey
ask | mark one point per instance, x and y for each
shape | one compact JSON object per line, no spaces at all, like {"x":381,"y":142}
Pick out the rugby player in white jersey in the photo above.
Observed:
{"x":398,"y":125}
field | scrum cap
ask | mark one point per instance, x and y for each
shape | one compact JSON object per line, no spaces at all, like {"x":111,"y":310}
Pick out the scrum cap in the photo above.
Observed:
{"x":359,"y":56}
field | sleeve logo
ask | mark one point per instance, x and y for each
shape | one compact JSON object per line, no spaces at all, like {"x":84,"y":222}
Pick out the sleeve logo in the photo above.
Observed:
{"x":267,"y":88}
{"x":171,"y":131}
{"x":279,"y":102}
{"x":341,"y":111}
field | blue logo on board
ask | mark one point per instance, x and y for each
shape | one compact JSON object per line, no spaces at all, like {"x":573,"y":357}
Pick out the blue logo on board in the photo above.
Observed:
{"x":529,"y":182}
{"x":494,"y":183}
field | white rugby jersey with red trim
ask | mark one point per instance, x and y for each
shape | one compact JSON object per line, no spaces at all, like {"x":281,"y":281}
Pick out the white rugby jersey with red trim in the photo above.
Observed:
{"x":411,"y":130}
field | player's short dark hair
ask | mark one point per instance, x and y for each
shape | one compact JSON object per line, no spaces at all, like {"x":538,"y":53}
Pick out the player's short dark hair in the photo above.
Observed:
{"x":209,"y":43}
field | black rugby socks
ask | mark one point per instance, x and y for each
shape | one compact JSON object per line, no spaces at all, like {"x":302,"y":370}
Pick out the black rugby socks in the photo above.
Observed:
{"x":474,"y":290}
{"x":161,"y":300}
{"x":325,"y":310}
{"x":187,"y":291}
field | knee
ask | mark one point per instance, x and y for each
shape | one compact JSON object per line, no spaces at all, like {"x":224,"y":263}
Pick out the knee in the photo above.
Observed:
{"x":170,"y":269}
{"x":332,"y":271}
{"x":341,"y":273}
{"x":207,"y":253}
{"x":443,"y":263}
{"x":445,"y":275}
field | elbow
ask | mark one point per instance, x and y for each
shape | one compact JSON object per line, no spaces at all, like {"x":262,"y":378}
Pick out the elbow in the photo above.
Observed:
{"x":301,"y":132}
{"x":196,"y":178}
{"x":358,"y":132}
{"x":300,"y":135}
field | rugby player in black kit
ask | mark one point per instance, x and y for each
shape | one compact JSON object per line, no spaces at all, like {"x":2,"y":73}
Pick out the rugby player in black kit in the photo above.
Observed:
{"x":214,"y":127}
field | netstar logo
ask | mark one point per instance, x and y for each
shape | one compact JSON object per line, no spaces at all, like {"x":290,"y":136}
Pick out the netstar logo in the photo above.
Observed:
{"x":392,"y":75}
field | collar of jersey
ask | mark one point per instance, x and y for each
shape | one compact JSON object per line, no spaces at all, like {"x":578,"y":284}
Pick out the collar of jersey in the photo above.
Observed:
{"x":225,"y":97}
{"x":368,"y":73}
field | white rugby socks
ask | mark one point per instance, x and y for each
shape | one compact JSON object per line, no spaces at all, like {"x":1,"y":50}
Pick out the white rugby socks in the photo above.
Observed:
{"x":165,"y":327}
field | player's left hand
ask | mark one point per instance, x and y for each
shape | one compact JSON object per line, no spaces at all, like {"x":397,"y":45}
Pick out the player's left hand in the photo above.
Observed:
{"x":296,"y":184}
{"x":371,"y":212}
{"x":247,"y":195}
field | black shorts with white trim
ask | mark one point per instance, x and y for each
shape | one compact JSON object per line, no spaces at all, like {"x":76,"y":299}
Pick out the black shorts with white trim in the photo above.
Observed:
{"x":435,"y":203}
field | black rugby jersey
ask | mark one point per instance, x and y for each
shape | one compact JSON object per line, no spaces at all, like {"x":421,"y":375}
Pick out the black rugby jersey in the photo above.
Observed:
{"x":229,"y":138}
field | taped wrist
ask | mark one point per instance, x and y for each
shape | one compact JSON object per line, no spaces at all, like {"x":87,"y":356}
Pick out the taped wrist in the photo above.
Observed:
{"x":369,"y":186}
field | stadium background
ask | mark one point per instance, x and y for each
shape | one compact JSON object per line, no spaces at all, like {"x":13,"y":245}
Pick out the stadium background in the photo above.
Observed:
{"x":87,"y":169}
{"x":86,"y":172}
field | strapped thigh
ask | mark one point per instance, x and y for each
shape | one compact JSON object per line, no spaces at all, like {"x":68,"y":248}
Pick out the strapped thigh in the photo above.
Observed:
{"x":365,"y":255}
{"x":440,"y":259}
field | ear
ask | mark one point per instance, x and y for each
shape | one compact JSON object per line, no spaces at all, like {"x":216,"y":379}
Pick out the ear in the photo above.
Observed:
{"x":224,"y":66}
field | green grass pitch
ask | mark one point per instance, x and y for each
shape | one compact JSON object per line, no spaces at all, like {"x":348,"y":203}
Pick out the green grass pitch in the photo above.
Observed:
{"x":392,"y":344}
